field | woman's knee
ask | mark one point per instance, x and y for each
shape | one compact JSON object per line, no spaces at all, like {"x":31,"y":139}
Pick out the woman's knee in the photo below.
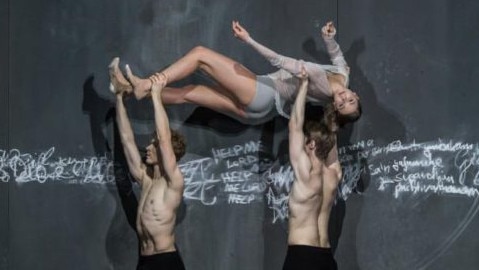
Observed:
{"x":200,"y":51}
{"x":203,"y":55}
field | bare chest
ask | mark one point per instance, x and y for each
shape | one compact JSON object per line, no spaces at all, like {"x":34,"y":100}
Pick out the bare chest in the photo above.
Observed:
{"x":153,"y":198}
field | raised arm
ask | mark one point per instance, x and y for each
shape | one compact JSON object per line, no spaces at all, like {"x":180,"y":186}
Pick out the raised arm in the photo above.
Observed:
{"x":289,"y":64}
{"x":168,"y":158}
{"x":135,"y":165}
{"x":328,"y":32}
{"x":298,"y":156}
{"x":332,"y":163}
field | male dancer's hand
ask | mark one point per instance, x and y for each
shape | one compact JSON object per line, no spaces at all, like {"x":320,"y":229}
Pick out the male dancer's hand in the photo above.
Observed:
{"x":303,"y":76}
{"x":158,"y":81}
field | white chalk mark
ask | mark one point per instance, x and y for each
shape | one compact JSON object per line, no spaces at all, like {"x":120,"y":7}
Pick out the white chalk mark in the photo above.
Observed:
{"x":237,"y":175}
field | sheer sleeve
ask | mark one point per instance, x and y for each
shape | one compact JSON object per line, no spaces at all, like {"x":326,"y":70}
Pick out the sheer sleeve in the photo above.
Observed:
{"x":289,"y":64}
{"x":335,"y":53}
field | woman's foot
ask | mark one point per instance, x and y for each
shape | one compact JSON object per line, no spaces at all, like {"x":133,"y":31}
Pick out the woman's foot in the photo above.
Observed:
{"x":141,"y":87}
{"x":118,"y":82}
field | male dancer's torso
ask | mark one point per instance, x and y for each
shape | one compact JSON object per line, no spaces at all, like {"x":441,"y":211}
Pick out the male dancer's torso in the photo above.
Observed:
{"x":157,"y":216}
{"x":310,"y":204}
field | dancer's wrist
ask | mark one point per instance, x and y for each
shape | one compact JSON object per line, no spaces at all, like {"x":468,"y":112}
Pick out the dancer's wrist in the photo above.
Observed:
{"x":162,"y":76}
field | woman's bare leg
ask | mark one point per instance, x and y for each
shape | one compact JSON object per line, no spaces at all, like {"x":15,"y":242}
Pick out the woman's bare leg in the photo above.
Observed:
{"x":238,"y":83}
{"x":204,"y":96}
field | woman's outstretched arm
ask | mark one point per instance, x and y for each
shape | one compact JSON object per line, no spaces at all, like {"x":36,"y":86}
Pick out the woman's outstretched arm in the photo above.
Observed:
{"x":289,"y":64}
{"x":328,"y":32}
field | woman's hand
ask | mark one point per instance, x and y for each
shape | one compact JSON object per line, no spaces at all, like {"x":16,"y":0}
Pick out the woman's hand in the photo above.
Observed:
{"x":328,"y":30}
{"x":239,"y":32}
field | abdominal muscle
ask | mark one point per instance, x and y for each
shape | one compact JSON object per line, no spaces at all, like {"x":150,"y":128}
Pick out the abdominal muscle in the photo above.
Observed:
{"x":303,"y":219}
{"x":155,"y":221}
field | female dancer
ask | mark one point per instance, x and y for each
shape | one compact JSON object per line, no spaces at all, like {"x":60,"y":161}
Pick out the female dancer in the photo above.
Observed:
{"x":245,"y":96}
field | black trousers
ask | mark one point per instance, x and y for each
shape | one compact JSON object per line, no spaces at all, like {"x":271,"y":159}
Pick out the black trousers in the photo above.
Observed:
{"x":302,"y":257}
{"x":162,"y":261}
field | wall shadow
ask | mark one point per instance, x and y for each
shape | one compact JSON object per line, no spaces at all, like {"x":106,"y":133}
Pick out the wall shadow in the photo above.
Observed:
{"x":101,"y":112}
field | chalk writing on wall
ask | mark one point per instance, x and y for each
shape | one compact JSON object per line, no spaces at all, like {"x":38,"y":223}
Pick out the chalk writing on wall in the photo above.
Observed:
{"x":439,"y":167}
{"x":244,"y":174}
{"x":241,"y":174}
{"x":25,"y":167}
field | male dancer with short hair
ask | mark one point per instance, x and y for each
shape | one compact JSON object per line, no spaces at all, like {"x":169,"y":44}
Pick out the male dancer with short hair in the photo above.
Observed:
{"x":314,"y":158}
{"x":160,"y":179}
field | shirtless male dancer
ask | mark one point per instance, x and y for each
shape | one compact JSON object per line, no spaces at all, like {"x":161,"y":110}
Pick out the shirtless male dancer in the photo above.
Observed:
{"x":161,"y":183}
{"x":314,"y":158}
